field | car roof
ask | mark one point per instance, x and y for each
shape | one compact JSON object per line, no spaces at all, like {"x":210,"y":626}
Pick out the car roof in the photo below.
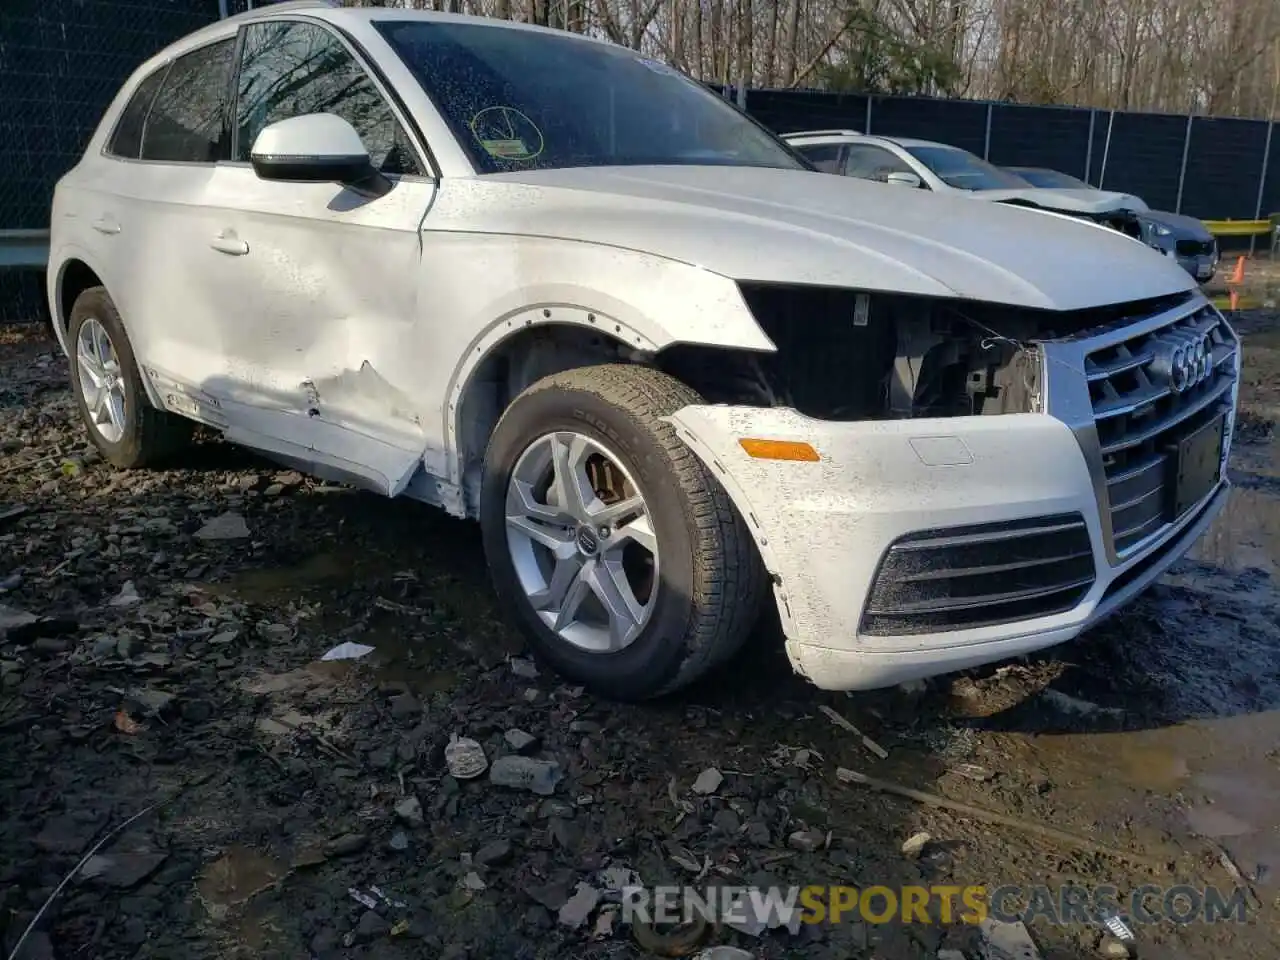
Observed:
{"x":914,"y":142}
{"x":853,"y":136}
{"x":806,"y":134}
{"x":333,"y":11}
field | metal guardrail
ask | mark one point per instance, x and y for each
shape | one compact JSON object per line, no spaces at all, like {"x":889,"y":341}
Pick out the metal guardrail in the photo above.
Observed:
{"x":1238,"y":228}
{"x":24,"y":249}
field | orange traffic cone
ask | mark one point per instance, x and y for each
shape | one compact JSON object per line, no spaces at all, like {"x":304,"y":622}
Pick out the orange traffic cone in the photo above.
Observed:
{"x":1237,"y":275}
{"x":1234,"y":301}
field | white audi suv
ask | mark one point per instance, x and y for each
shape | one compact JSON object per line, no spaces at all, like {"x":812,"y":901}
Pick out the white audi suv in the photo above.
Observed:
{"x":541,"y":281}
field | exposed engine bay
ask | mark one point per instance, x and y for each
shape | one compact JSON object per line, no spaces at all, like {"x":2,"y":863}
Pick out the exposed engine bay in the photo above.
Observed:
{"x":847,"y":355}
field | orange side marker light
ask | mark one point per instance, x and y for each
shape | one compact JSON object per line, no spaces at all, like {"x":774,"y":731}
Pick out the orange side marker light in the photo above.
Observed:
{"x":779,"y":450}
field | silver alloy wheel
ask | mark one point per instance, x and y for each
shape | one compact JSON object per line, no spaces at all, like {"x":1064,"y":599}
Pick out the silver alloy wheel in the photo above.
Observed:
{"x":101,"y":381}
{"x":582,"y":542}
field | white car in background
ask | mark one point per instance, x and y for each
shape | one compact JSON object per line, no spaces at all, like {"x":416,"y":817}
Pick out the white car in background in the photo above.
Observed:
{"x":542,"y":282}
{"x":927,"y":165}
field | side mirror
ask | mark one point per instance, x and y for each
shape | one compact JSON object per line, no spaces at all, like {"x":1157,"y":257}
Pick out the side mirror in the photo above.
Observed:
{"x":902,"y":180}
{"x":315,"y":148}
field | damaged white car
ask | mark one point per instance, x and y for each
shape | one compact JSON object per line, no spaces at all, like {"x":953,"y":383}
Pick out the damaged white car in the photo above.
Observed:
{"x":537,"y":280}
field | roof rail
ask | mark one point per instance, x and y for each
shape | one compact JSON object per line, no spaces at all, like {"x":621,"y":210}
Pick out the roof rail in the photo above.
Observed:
{"x":259,"y":7}
{"x":822,"y":133}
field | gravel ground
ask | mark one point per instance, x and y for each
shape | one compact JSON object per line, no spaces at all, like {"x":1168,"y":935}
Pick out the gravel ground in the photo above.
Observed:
{"x":161,"y":636}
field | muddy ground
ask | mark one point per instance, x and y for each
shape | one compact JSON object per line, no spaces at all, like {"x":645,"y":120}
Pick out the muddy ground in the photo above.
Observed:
{"x":176,"y":667}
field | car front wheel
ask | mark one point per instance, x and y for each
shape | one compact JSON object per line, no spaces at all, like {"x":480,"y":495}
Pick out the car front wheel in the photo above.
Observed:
{"x":621,"y":557}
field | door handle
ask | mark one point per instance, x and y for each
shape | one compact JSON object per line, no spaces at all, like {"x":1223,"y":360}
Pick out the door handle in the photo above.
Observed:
{"x":106,"y":225}
{"x":229,"y":244}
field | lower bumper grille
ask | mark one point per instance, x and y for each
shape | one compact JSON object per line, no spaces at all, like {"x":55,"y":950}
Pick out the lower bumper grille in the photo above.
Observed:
{"x":973,"y":576}
{"x":1194,"y":248}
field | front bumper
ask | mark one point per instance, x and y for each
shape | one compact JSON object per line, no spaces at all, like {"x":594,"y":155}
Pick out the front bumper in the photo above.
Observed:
{"x":823,"y":527}
{"x":881,"y":551}
{"x":1202,"y":267}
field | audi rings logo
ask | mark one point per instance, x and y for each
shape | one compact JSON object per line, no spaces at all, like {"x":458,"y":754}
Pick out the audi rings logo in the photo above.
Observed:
{"x":1183,"y":359}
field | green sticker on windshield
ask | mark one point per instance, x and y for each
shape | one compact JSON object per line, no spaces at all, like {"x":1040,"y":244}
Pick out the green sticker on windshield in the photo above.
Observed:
{"x":506,"y":134}
{"x":506,"y":149}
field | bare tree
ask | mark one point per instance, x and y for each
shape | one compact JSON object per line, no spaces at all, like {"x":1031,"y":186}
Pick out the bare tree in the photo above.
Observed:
{"x":1208,"y":56}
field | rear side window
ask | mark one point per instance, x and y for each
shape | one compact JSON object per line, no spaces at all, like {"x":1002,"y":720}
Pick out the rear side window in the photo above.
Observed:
{"x":825,"y":156}
{"x":188,"y":121}
{"x":290,"y":69}
{"x":126,"y":141}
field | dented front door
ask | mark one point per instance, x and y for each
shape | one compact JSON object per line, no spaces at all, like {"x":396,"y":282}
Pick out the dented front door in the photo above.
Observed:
{"x":318,"y":281}
{"x":318,"y":323}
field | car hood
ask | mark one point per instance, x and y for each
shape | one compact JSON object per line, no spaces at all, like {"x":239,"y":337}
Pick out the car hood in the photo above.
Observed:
{"x":801,"y":227}
{"x":1071,"y":200}
{"x":1180,"y":224}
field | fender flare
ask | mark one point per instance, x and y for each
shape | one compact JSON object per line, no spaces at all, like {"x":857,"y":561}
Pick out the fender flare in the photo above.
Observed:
{"x":500,"y":330}
{"x":53,"y":280}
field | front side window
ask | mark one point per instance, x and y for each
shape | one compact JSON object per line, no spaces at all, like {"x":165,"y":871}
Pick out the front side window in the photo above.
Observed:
{"x":188,"y":120}
{"x":824,"y":156}
{"x":290,"y":69}
{"x":126,"y":139}
{"x":528,"y":100}
{"x":873,"y":163}
{"x":964,"y":171}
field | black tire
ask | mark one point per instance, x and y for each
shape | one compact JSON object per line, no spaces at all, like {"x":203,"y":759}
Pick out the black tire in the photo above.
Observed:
{"x":711,"y":579}
{"x":150,"y":436}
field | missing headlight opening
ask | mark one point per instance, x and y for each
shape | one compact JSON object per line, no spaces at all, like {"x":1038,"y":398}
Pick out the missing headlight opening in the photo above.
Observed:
{"x":846,"y":355}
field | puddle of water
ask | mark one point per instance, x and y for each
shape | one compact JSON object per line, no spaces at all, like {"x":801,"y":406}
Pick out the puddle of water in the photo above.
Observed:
{"x":402,"y":657}
{"x":276,"y":584}
{"x":235,"y":878}
{"x":1112,"y":762}
{"x":1213,"y":822}
{"x":301,"y":680}
{"x":1243,"y":301}
{"x":1245,"y":534}
{"x":1223,"y":772}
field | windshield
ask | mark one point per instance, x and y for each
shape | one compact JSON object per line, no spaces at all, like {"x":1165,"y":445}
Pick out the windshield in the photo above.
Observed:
{"x":962,"y":170}
{"x":529,"y":100}
{"x":1048,"y":178}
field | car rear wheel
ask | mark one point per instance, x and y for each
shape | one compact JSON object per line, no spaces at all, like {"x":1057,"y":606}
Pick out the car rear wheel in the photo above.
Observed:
{"x":621,"y":557}
{"x":122,"y":423}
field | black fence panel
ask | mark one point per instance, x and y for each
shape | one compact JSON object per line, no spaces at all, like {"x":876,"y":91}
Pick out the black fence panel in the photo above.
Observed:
{"x":22,"y":296}
{"x":788,"y":111}
{"x":1053,"y":137}
{"x":961,"y":123}
{"x":1224,"y":165}
{"x":61,"y":62}
{"x":1142,"y":155}
{"x":1271,"y":189}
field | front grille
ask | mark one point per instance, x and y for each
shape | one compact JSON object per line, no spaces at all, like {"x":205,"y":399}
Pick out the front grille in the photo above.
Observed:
{"x":1194,"y":248}
{"x":1141,"y":420}
{"x":973,"y":576}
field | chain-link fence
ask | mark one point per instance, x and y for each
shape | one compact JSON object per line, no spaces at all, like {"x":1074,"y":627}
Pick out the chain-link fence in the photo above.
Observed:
{"x":61,"y":62}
